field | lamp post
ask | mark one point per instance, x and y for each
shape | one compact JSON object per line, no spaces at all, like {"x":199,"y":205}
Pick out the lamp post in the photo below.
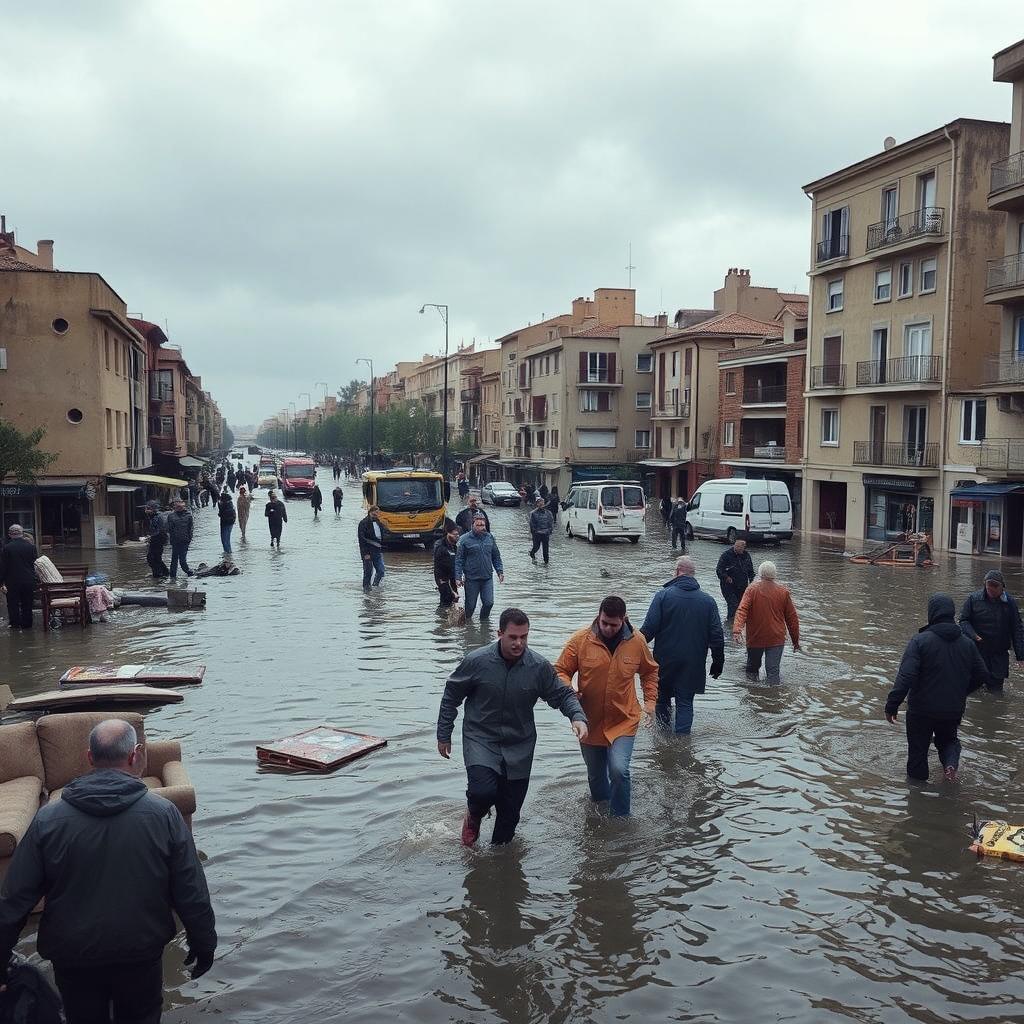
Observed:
{"x":295,"y":435}
{"x":369,"y":362}
{"x":322,"y":384}
{"x":442,"y":309}
{"x":309,"y":414}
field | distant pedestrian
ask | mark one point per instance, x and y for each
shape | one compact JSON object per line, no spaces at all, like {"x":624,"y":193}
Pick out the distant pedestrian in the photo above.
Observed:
{"x":370,"y":536}
{"x":243,"y":503}
{"x":542,"y":524}
{"x":990,"y":617}
{"x":666,"y":508}
{"x":684,"y":625}
{"x":18,"y":579}
{"x":226,"y":514}
{"x":464,"y":520}
{"x":677,"y":520}
{"x":316,"y":499}
{"x":735,"y":571}
{"x":219,"y":476}
{"x":193,"y":493}
{"x":476,"y":560}
{"x":277,"y":516}
{"x":767,"y":611}
{"x":180,"y":527}
{"x":157,"y":531}
{"x":444,"y":565}
{"x":554,"y":507}
{"x":607,"y":656}
{"x":940,"y":667}
{"x":542,"y":491}
{"x":463,"y":486}
{"x":338,"y":494}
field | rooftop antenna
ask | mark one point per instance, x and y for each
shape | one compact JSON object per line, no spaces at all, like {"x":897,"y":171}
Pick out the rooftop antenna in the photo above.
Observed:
{"x":629,"y":265}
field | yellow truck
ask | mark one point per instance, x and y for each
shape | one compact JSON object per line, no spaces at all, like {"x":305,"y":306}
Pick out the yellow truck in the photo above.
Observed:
{"x":412,"y":505}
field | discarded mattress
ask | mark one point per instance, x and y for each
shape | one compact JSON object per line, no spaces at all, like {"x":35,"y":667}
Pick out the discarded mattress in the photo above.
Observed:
{"x":79,"y":676}
{"x":998,"y":839}
{"x":220,"y":569}
{"x":96,"y":697}
{"x":321,"y":749}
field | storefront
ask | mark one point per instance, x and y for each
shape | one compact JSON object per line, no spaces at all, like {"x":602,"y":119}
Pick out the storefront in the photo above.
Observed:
{"x":665,"y":478}
{"x":894,"y":506}
{"x":987,"y":518}
{"x":55,"y":512}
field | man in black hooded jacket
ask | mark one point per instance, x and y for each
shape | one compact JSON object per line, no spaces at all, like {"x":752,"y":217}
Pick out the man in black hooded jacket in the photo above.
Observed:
{"x":940,"y":667}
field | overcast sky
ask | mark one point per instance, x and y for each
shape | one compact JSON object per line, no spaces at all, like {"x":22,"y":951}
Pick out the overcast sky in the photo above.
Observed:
{"x":285,"y":184}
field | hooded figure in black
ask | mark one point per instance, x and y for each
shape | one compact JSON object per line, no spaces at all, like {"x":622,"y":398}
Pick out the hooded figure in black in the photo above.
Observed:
{"x":316,"y":499}
{"x":940,"y":667}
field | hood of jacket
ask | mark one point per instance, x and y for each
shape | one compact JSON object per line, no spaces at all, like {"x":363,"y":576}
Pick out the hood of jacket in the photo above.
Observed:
{"x":104,"y":792}
{"x":683,"y":583}
{"x":941,"y":618}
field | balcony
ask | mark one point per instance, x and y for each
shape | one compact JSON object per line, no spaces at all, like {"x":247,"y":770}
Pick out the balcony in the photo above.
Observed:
{"x":902,"y":370}
{"x":1006,"y":189}
{"x":1005,"y":369}
{"x":765,"y":394}
{"x":538,"y":410}
{"x":836,"y":248}
{"x":1004,"y":281}
{"x":161,"y":394}
{"x":469,"y":395}
{"x":920,"y":227}
{"x":601,"y":378}
{"x":766,"y":451}
{"x":896,"y":454}
{"x":634,"y":455}
{"x":831,"y":375}
{"x":519,"y":415}
{"x":1001,"y":456}
{"x":677,"y":410}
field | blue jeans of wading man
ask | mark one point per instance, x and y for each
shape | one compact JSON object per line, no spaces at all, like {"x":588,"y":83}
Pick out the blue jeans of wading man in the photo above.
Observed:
{"x":608,"y":773}
{"x":225,"y":537}
{"x":484,"y":589}
{"x":178,"y":554}
{"x":684,"y":708}
{"x":376,"y":561}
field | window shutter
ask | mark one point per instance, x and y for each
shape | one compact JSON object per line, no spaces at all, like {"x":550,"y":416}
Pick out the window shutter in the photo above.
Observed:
{"x":661,"y":380}
{"x":611,"y":367}
{"x":688,"y":362}
{"x":583,"y":366}
{"x":603,"y":401}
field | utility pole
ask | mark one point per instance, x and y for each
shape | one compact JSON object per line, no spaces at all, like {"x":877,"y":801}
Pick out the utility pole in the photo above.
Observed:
{"x":369,"y":362}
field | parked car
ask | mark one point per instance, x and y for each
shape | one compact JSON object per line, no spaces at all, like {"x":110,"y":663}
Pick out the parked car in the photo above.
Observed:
{"x":499,"y":492}
{"x":606,"y":508}
{"x":268,"y":477}
{"x":757,"y":510}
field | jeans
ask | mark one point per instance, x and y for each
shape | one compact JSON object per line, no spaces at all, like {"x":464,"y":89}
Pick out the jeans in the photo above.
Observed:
{"x":487,"y":788}
{"x":19,"y":605}
{"x":772,"y":661}
{"x":136,"y":991}
{"x":178,"y":554}
{"x":225,"y":537}
{"x":921,"y":730}
{"x":541,"y":541}
{"x":608,"y":773}
{"x":375,"y":561}
{"x":484,"y":589}
{"x":733,"y":595}
{"x":155,"y":557}
{"x":679,"y":534}
{"x":684,"y":708}
{"x":998,"y":665}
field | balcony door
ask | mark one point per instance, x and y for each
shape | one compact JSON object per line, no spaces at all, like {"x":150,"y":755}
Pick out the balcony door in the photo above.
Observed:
{"x":917,"y":348}
{"x":832,"y":357}
{"x":835,"y":229}
{"x":890,"y":209}
{"x":880,"y":352}
{"x":925,"y":195}
{"x":915,"y":433}
{"x":877,"y":435}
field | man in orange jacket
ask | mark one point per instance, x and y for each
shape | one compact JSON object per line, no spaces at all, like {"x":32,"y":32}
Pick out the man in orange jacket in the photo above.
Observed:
{"x":767,"y":610}
{"x":607,"y":656}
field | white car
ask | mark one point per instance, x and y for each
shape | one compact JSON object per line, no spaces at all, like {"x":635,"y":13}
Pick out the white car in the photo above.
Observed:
{"x":267,"y":477}
{"x":499,"y":492}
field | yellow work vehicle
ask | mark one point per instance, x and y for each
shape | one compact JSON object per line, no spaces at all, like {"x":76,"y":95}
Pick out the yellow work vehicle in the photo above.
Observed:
{"x":412,"y":504}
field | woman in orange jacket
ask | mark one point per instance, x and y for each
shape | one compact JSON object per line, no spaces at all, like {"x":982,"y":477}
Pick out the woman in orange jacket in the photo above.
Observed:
{"x":607,"y":656}
{"x":767,"y":610}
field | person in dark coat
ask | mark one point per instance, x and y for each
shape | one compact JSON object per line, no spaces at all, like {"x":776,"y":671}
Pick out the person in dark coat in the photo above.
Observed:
{"x":464,"y":520}
{"x":18,"y":579}
{"x":677,"y":520}
{"x":735,"y":571}
{"x":231,"y":479}
{"x":157,"y":528}
{"x":543,"y":492}
{"x":990,"y":617}
{"x":114,"y":863}
{"x":277,"y":516}
{"x":683,"y":624}
{"x":666,"y":508}
{"x":370,"y":536}
{"x":444,"y":565}
{"x":193,"y":493}
{"x":338,"y":494}
{"x":940,"y":667}
{"x":180,"y":527}
{"x":542,"y":525}
{"x":463,"y":486}
{"x":500,"y":684}
{"x":227,"y":516}
{"x":316,"y":499}
{"x":554,"y":505}
{"x":219,"y":476}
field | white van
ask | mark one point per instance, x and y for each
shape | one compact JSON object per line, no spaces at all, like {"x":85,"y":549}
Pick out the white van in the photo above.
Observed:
{"x":748,"y":509}
{"x":605,"y":508}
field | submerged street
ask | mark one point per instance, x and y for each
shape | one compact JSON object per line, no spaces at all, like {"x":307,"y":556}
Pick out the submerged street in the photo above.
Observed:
{"x":777,"y":861}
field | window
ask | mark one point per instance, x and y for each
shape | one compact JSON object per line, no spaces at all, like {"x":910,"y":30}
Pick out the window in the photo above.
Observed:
{"x":109,"y":423}
{"x":554,"y":438}
{"x":925,"y":195}
{"x":644,"y":362}
{"x":694,"y":502}
{"x":732,"y":503}
{"x":642,"y":439}
{"x":890,"y":207}
{"x":672,"y":438}
{"x":780,"y":502}
{"x":835,"y":234}
{"x":117,"y":428}
{"x":675,"y":363}
{"x":643,"y":399}
{"x":539,"y":439}
{"x":830,"y":427}
{"x":555,"y":370}
{"x":106,"y":347}
{"x":686,"y":437}
{"x":928,"y":268}
{"x":759,"y":503}
{"x":554,"y":402}
{"x":547,"y":366}
{"x":835,"y":296}
{"x":883,"y":285}
{"x":597,"y":367}
{"x":972,"y":421}
{"x":729,"y":434}
{"x":730,"y":382}
{"x":905,"y":280}
{"x":588,"y":401}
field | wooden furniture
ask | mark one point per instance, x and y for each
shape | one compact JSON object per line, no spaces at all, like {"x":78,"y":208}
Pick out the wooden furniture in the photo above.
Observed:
{"x":63,"y":600}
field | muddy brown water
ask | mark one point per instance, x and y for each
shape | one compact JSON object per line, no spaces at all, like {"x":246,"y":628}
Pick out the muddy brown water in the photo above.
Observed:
{"x":778,"y":866}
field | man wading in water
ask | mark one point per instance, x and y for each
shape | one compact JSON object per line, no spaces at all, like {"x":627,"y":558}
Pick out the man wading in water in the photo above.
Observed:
{"x":500,"y":684}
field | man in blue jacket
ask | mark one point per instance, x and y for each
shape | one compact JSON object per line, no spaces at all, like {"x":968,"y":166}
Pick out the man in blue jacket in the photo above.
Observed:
{"x":990,"y":617}
{"x":683,"y":624}
{"x":476,"y":560}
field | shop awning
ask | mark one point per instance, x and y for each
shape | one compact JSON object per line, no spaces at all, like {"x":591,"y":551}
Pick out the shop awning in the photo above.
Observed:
{"x":147,"y":478}
{"x":986,"y":492}
{"x":122,"y":488}
{"x":191,"y":462}
{"x":68,"y":485}
{"x":481,"y":458}
{"x":662,"y":463}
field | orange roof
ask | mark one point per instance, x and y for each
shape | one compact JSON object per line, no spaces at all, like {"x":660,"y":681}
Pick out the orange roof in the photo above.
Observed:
{"x":794,"y":297}
{"x":600,"y":331}
{"x":730,"y":325}
{"x":8,"y":262}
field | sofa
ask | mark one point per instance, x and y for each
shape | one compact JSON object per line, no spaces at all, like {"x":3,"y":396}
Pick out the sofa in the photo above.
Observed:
{"x":38,"y":759}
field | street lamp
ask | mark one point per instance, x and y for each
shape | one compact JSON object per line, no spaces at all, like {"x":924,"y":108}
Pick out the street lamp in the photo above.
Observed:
{"x":295,"y":435}
{"x":369,"y":362}
{"x":442,"y":309}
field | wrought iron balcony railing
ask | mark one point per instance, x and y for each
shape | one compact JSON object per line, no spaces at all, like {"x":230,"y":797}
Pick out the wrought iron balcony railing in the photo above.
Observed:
{"x":831,"y":375}
{"x":902,"y":370}
{"x":1005,"y":273}
{"x":834,"y":248}
{"x":924,"y":223}
{"x":1007,"y":173}
{"x":896,"y":454}
{"x":764,"y":394}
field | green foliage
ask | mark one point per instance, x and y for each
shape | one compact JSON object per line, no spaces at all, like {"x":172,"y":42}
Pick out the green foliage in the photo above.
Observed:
{"x":347,"y":395}
{"x":229,"y":437}
{"x":20,"y":455}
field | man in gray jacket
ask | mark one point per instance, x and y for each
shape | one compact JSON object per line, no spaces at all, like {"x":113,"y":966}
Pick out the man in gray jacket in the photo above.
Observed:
{"x":179,"y":533}
{"x":500,"y":684}
{"x":477,"y":559}
{"x":115,"y":864}
{"x":542,"y":523}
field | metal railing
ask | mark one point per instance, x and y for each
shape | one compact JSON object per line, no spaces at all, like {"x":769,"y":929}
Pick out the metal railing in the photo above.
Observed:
{"x":639,"y":454}
{"x":1007,"y":173}
{"x":1006,"y":455}
{"x":902,"y":370}
{"x":764,"y":394}
{"x":834,"y":248}
{"x":831,"y":375}
{"x":519,"y":415}
{"x":922,"y":223}
{"x":671,"y":410}
{"x":1005,"y":273}
{"x":161,"y":394}
{"x":598,"y":377}
{"x":896,"y":454}
{"x":1005,"y":369}
{"x":763,"y":450}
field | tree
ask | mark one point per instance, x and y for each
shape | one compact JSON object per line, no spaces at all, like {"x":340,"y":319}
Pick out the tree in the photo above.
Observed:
{"x":20,"y":455}
{"x":464,"y":444}
{"x":229,"y":436}
{"x":347,"y":395}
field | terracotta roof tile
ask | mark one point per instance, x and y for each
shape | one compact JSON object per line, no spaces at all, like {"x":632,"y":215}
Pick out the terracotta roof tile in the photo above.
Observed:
{"x":689,"y":317}
{"x":732,"y":325}
{"x":601,"y":331}
{"x":8,"y":262}
{"x":794,"y":297}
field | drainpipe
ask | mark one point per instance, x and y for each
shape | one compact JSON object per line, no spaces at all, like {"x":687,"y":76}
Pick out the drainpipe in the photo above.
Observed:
{"x":940,"y":538}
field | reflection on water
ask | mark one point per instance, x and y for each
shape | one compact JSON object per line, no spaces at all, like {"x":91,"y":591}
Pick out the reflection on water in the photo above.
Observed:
{"x":778,"y":863}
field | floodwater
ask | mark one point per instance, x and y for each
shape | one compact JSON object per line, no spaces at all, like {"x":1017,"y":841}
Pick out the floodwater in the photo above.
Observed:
{"x":778,"y":865}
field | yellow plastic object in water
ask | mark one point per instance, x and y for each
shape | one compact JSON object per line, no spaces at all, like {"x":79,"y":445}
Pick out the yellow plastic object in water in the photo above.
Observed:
{"x":998,"y":839}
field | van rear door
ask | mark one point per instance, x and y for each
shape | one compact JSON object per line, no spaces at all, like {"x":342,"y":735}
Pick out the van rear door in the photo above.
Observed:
{"x":759,"y":514}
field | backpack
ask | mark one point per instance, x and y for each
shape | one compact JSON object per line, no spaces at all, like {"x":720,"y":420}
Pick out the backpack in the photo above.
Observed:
{"x":30,"y":998}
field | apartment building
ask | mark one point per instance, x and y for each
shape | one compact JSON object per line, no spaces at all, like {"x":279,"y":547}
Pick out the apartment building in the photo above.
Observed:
{"x":472,"y":370}
{"x":898,"y":321}
{"x":482,"y":466}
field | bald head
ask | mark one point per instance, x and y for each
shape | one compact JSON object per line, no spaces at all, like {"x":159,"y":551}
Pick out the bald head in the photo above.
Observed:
{"x":685,"y":566}
{"x":114,"y":744}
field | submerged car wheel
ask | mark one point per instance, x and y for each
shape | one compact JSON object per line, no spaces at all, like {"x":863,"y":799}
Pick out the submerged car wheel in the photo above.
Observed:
{"x":634,"y":540}
{"x":591,"y":536}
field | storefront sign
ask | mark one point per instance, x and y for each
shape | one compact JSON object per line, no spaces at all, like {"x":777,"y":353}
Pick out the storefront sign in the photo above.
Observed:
{"x":893,"y":483}
{"x":16,"y":490}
